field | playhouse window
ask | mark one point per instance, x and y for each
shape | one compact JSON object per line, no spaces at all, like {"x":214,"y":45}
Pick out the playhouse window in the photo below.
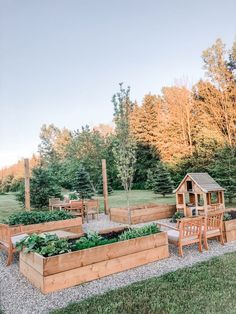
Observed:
{"x":189,"y":186}
{"x":180,"y":199}
{"x":213,"y":198}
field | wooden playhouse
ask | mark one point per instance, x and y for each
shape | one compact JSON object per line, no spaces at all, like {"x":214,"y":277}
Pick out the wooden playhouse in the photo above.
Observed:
{"x":197,"y":193}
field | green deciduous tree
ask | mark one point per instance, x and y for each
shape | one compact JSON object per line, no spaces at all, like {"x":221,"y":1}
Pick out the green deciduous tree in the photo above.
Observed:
{"x":125,"y":148}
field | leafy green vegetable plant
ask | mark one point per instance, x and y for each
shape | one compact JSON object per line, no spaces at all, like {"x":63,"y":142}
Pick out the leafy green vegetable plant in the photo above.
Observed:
{"x":35,"y":217}
{"x":49,"y":245}
{"x":46,"y":245}
{"x":176,"y":216}
{"x":133,"y":233}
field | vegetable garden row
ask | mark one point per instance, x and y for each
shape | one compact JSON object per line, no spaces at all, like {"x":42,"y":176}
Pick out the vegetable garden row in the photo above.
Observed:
{"x":52,"y":263}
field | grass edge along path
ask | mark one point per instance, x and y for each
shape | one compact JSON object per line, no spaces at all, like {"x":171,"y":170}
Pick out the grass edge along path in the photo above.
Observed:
{"x":207,"y":287}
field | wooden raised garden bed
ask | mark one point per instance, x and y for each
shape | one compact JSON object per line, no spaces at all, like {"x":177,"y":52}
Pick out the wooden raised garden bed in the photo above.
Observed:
{"x":142,"y":213}
{"x":71,"y":225}
{"x":66,"y":270}
{"x":10,"y":234}
{"x":229,"y":228}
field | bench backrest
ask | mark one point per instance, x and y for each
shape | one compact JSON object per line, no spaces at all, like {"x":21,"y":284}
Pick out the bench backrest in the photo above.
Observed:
{"x":54,"y":200}
{"x":76,"y":205}
{"x":92,"y":204}
{"x":190,"y":227}
{"x":214,"y":220}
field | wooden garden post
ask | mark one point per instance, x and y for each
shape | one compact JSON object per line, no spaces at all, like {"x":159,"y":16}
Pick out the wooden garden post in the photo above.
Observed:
{"x":27,"y":184}
{"x":105,"y":190}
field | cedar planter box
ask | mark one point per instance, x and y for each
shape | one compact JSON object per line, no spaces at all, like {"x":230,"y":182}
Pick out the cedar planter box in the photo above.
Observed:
{"x":70,"y":269}
{"x":72,"y":225}
{"x":229,"y":230}
{"x":142,"y":213}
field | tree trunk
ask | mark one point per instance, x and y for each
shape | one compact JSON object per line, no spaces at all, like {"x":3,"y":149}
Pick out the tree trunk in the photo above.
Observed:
{"x":128,"y":206}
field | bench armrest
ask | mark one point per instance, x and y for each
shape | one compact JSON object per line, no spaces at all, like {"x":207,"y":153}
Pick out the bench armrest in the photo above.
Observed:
{"x":167,"y":226}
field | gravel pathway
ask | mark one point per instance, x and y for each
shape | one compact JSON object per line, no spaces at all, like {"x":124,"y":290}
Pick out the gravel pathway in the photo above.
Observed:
{"x":17,"y":295}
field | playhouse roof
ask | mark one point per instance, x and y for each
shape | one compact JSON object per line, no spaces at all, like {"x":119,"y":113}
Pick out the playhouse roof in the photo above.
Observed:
{"x":205,"y":182}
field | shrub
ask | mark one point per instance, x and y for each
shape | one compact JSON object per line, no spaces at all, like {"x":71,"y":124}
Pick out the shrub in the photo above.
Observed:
{"x":176,"y":216}
{"x":227,"y":217}
{"x":73,"y":196}
{"x":35,"y":217}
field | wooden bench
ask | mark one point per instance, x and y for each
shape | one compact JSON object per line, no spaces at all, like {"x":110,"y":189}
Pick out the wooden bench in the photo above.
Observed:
{"x":188,"y":231}
{"x":10,"y":235}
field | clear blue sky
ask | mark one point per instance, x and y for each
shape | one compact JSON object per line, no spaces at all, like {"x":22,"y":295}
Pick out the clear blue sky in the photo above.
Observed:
{"x":61,"y":60}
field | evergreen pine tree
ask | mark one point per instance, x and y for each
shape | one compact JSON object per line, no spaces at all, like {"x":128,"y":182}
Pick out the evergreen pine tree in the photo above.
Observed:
{"x":161,"y":180}
{"x":82,"y":183}
{"x":42,"y":186}
{"x":223,"y":171}
{"x":100,"y":186}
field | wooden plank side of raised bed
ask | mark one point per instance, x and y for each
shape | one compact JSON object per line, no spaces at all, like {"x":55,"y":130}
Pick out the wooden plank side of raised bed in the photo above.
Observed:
{"x":230,"y":235}
{"x":229,"y":230}
{"x":53,"y":225}
{"x":230,"y":225}
{"x":151,"y":214}
{"x":153,"y":210}
{"x":34,"y":260}
{"x":63,"y":262}
{"x":32,"y":275}
{"x":91,"y":272}
{"x":119,"y":215}
{"x":143,"y":213}
{"x":120,"y":218}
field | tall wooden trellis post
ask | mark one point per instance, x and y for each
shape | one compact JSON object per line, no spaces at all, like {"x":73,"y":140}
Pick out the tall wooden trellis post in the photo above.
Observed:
{"x":27,"y":184}
{"x":105,"y":189}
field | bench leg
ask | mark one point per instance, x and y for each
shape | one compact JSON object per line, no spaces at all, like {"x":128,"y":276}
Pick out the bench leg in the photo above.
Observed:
{"x":9,"y":257}
{"x":181,"y":251}
{"x":206,"y":244}
{"x":222,"y":239}
{"x":200,"y":246}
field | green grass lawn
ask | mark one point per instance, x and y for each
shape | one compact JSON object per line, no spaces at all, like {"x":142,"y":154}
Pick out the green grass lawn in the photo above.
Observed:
{"x":9,"y":204}
{"x":137,"y":197}
{"x":208,"y":287}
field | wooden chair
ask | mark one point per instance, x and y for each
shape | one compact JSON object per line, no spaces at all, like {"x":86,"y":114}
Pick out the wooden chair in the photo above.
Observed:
{"x":76,"y":207}
{"x":52,"y":201}
{"x":8,"y":240}
{"x":188,"y":231}
{"x":213,"y":227}
{"x":91,"y":208}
